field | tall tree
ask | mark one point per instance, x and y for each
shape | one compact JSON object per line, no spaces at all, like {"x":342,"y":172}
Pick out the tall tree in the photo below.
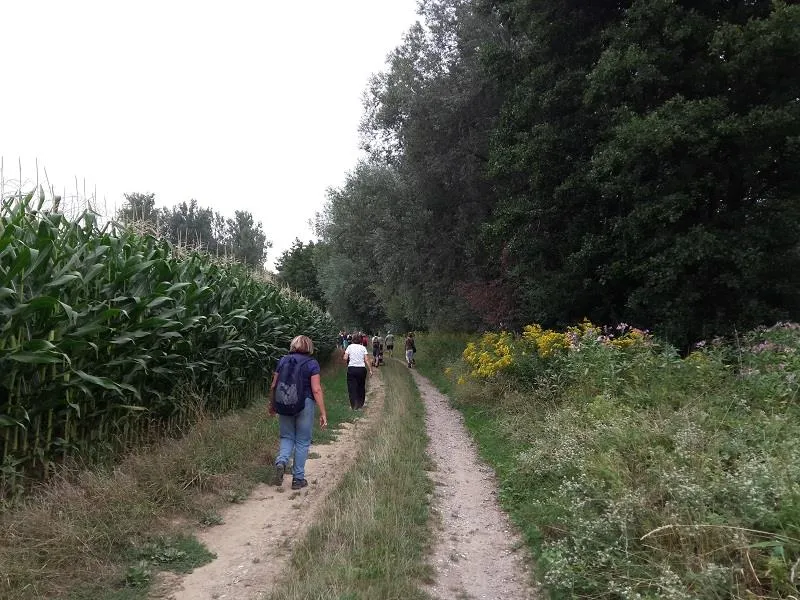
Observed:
{"x":427,"y":125}
{"x":139,"y":207}
{"x":189,"y":224}
{"x":246,"y":239}
{"x":541,"y":152}
{"x":644,"y":157}
{"x":346,"y":285}
{"x":543,"y":161}
{"x":697,"y":173}
{"x":296,"y":268}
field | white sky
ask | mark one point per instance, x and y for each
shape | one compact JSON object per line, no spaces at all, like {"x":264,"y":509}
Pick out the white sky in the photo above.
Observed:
{"x":241,"y":104}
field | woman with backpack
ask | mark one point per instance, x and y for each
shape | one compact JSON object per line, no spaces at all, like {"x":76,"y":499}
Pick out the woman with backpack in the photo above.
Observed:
{"x":358,"y":363}
{"x":295,"y":388}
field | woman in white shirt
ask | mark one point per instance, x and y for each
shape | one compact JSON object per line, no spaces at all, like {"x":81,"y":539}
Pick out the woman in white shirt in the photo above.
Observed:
{"x":358,"y":363}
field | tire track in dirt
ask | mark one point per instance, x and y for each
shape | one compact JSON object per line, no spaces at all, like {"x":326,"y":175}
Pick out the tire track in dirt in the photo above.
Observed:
{"x":474,"y":554}
{"x":255,"y":542}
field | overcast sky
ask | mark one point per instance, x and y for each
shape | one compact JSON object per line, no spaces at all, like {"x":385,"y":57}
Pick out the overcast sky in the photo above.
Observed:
{"x":241,"y":104}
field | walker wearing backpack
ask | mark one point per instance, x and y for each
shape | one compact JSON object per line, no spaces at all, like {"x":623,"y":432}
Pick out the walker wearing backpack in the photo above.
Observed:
{"x":288,"y":392}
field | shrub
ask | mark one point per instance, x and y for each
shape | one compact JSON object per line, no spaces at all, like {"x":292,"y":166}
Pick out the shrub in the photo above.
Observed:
{"x":636,"y":473}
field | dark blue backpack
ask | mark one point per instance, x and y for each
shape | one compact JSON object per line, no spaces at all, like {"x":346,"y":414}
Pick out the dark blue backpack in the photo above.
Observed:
{"x":289,"y":398}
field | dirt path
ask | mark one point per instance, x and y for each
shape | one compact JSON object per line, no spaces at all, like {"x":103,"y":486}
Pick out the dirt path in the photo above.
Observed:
{"x":474,"y":554}
{"x":255,"y":542}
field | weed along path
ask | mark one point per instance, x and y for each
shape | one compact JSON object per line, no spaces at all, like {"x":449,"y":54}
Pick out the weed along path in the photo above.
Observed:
{"x":255,"y":541}
{"x":474,"y":554}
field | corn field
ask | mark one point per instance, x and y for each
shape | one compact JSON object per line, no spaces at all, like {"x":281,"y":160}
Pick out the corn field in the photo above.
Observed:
{"x":103,"y":330}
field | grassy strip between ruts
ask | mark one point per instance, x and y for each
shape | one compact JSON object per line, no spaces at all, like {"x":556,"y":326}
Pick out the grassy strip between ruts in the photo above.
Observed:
{"x":371,"y":537}
{"x":102,"y":533}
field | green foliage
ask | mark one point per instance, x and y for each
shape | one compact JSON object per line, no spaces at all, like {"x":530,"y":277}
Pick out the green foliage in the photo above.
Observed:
{"x":192,"y":226}
{"x":211,"y":518}
{"x":245,"y":239}
{"x":634,"y":473}
{"x":660,"y":163}
{"x":141,"y":208}
{"x":346,"y":268}
{"x":411,"y":216}
{"x":547,"y":161}
{"x":139,"y":575}
{"x":438,"y":354}
{"x":297,"y":268}
{"x":696,"y":173}
{"x":106,"y":335}
{"x":180,"y":554}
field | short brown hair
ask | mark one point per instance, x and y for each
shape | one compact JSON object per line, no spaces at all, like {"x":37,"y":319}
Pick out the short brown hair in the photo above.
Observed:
{"x":302,"y":344}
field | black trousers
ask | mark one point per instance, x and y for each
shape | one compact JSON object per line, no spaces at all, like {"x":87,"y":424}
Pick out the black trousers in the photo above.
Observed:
{"x":357,"y":386}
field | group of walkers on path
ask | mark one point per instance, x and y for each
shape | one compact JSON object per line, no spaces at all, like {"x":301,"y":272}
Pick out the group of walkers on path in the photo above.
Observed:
{"x":356,"y":354}
{"x":379,"y":344}
{"x":296,"y":390}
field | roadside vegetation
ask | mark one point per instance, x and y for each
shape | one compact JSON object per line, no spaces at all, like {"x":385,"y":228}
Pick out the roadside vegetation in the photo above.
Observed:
{"x":634,"y":472}
{"x":370,"y":539}
{"x":102,"y":533}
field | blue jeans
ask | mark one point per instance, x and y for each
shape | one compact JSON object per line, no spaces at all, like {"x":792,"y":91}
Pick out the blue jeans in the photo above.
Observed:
{"x":295,"y":433}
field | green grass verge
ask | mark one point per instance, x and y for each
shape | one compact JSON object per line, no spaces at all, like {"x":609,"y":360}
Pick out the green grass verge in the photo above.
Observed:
{"x":437,"y":352}
{"x":371,"y":537}
{"x":102,"y":533}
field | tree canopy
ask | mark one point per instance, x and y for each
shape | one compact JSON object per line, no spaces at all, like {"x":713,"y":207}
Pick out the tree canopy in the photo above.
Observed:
{"x":546,"y":161}
{"x":297,"y":269}
{"x":190,"y":224}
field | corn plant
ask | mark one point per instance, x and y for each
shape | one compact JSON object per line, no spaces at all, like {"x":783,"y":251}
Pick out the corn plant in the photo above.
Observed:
{"x":100,"y":326}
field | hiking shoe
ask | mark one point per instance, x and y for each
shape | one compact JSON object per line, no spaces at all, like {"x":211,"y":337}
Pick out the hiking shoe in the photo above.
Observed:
{"x":280,"y":470}
{"x":299,"y":484}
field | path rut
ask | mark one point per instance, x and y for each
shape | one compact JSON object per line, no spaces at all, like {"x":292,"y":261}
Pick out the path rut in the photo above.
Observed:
{"x":475,"y":553}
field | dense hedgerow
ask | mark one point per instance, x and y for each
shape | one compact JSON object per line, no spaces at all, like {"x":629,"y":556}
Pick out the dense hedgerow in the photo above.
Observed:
{"x":106,"y":335}
{"x":635,"y":473}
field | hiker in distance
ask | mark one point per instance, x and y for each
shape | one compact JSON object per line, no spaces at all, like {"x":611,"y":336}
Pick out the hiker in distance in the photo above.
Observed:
{"x":358,"y":363}
{"x":411,"y":349}
{"x":377,"y":349}
{"x":390,"y":343}
{"x":295,"y":389}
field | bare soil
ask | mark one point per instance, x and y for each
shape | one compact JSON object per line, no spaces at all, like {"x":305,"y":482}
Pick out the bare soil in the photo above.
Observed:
{"x":477,"y":553}
{"x":255,"y":542}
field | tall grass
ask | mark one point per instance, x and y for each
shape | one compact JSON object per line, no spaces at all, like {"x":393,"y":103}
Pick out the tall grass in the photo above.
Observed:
{"x":100,"y":327}
{"x":635,"y":473}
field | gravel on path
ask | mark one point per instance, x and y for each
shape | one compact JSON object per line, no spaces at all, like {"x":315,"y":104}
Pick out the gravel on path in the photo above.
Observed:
{"x":477,"y":553}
